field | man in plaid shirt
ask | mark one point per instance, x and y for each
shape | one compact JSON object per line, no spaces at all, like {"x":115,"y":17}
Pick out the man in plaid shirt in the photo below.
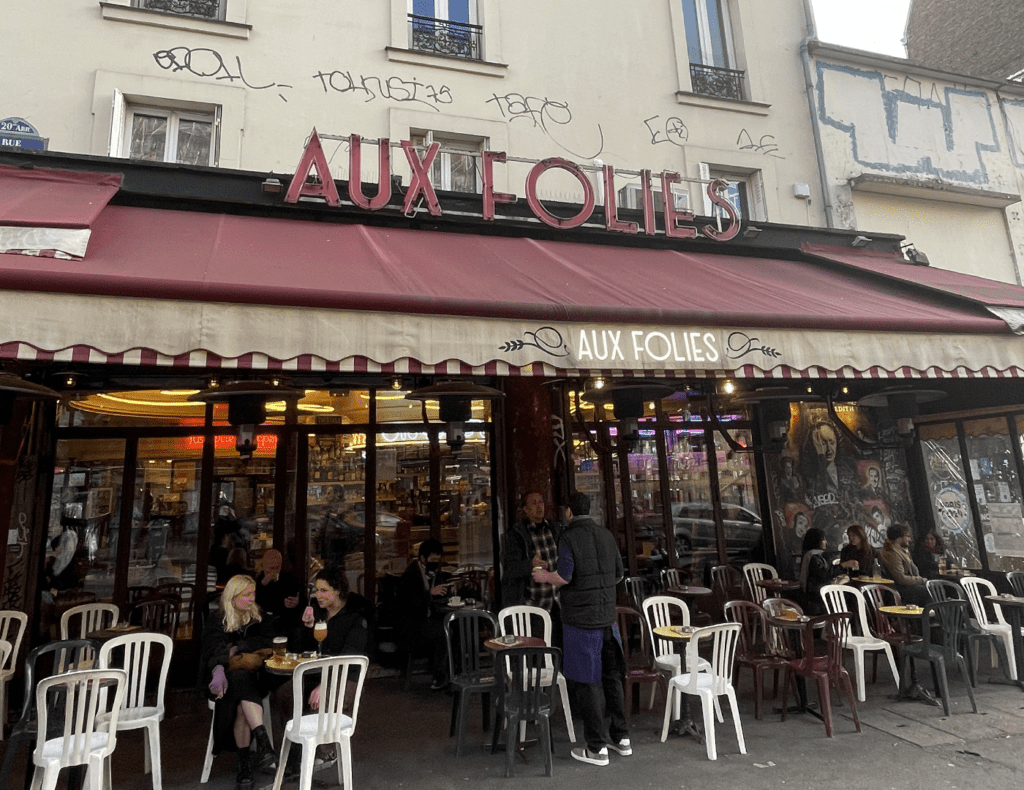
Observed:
{"x":529,"y":543}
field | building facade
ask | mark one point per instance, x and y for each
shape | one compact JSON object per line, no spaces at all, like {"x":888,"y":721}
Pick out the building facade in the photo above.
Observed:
{"x":338,"y":213}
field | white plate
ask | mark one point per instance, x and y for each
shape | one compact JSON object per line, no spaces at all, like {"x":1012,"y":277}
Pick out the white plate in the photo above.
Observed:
{"x":458,"y":605}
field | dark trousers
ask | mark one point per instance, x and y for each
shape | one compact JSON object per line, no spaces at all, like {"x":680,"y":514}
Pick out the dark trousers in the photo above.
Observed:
{"x":603,"y":708}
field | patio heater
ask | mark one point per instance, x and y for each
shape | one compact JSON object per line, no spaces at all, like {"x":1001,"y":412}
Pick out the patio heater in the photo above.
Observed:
{"x":247,"y":407}
{"x":455,"y":405}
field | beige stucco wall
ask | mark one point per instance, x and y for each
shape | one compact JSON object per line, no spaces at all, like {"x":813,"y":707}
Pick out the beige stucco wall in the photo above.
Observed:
{"x":602,"y":81}
{"x":964,"y":238}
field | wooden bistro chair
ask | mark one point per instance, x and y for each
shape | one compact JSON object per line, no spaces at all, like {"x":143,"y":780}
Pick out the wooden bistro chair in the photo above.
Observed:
{"x":753,"y":648}
{"x":527,"y":698}
{"x":638,"y":653}
{"x":471,"y":670}
{"x":522,"y":621}
{"x":827,"y":670}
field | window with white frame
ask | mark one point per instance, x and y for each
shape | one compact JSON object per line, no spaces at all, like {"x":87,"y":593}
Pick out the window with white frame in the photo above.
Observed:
{"x":456,"y":167}
{"x":709,"y":44}
{"x":745,"y":192}
{"x":630,"y":196}
{"x":203,"y":9}
{"x":159,"y":134}
{"x":447,"y":27}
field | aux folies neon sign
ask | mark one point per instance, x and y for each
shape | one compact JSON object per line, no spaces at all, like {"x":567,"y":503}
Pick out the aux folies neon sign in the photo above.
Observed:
{"x":678,"y":223}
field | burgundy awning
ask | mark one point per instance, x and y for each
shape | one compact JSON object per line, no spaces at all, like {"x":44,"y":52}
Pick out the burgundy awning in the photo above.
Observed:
{"x":54,"y":198}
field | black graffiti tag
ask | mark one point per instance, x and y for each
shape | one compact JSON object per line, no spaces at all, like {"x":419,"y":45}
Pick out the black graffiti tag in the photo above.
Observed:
{"x":542,"y":113}
{"x":394,"y":89}
{"x":208,"y":64}
{"x":672,"y":131}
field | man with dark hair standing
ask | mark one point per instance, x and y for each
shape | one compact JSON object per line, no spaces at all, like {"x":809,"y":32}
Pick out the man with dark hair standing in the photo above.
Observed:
{"x":589,"y":567}
{"x":530,"y":543}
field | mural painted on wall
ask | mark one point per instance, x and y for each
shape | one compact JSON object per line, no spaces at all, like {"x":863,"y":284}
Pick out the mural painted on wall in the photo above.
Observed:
{"x":823,"y":479}
{"x":939,"y":131}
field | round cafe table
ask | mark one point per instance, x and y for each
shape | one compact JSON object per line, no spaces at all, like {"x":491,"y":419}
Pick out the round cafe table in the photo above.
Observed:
{"x":680,"y":635}
{"x":866,"y":580}
{"x":285,"y":667}
{"x":778,"y":586}
{"x":1012,"y":608}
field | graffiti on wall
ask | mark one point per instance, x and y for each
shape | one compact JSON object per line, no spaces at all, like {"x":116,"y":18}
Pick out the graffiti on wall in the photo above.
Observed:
{"x":941,"y":132}
{"x":823,"y":479}
{"x":544,"y":114}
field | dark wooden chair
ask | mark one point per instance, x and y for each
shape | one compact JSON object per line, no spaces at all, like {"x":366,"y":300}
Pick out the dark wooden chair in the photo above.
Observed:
{"x":526,"y":699}
{"x":639,"y":655}
{"x":471,"y":669}
{"x":753,"y":650}
{"x":950,"y":616}
{"x":826,"y":670}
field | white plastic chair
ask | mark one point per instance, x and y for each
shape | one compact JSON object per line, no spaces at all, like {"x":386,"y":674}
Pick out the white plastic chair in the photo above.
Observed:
{"x":755,"y":572}
{"x":658,"y":611}
{"x":329,"y":724}
{"x":976,"y":589}
{"x":87,"y":618}
{"x":12,"y":629}
{"x":208,"y":760}
{"x":518,"y":621}
{"x":841,"y":598}
{"x":134,"y":654}
{"x":709,"y":682}
{"x":89,"y":702}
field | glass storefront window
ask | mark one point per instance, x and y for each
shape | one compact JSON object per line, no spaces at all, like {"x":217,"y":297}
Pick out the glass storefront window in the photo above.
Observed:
{"x":693,"y":522}
{"x":947,"y":492}
{"x":997,"y":490}
{"x":165,"y":521}
{"x":86,"y":505}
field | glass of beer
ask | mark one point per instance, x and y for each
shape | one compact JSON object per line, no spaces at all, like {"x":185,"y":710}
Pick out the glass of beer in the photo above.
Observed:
{"x":320,"y":634}
{"x":280,"y":647}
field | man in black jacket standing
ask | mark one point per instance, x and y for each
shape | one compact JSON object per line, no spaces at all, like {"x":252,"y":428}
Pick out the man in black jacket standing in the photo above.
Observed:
{"x":589,"y":567}
{"x":530,"y":543}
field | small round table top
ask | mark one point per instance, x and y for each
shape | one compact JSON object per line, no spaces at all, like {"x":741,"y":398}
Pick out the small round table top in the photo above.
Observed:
{"x":497,"y":642}
{"x":788,"y":620}
{"x":871,"y":580}
{"x":688,"y":589}
{"x":1005,"y":599}
{"x":778,"y":585}
{"x":677,"y":633}
{"x":908,"y":610}
{"x":286,"y":665}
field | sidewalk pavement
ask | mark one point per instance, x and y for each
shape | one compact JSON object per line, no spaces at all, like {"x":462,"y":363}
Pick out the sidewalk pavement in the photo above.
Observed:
{"x":402,"y":742}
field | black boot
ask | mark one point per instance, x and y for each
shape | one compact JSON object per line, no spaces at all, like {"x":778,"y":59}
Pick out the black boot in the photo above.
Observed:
{"x":244,"y":778}
{"x":266,"y":758}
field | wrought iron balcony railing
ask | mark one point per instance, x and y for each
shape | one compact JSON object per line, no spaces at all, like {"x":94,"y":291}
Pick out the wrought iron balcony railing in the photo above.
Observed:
{"x":206,"y":9}
{"x":459,"y":39}
{"x":715,"y":81}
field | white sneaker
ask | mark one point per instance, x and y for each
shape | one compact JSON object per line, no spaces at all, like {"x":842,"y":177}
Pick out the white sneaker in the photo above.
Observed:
{"x":623,"y":747}
{"x":584,"y":755}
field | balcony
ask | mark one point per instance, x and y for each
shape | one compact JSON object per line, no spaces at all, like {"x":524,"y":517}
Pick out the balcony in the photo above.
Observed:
{"x":715,"y":81}
{"x":203,"y":9}
{"x":458,"y":39}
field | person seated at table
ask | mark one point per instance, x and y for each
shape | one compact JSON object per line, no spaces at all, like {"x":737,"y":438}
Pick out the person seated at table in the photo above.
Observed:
{"x":279,"y":593}
{"x":895,"y":557}
{"x":816,"y":571}
{"x":417,"y":631}
{"x":858,"y":556}
{"x":927,"y":553}
{"x":238,"y":628}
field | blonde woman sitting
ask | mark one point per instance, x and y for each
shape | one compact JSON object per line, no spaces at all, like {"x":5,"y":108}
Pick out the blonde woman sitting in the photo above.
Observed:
{"x":237,"y":628}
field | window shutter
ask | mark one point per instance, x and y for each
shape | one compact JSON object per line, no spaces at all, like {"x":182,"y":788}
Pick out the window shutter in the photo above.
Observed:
{"x":705,"y":176}
{"x":115,"y":146}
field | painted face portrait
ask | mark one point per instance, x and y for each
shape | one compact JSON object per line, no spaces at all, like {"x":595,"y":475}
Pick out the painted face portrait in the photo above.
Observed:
{"x":825,"y":443}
